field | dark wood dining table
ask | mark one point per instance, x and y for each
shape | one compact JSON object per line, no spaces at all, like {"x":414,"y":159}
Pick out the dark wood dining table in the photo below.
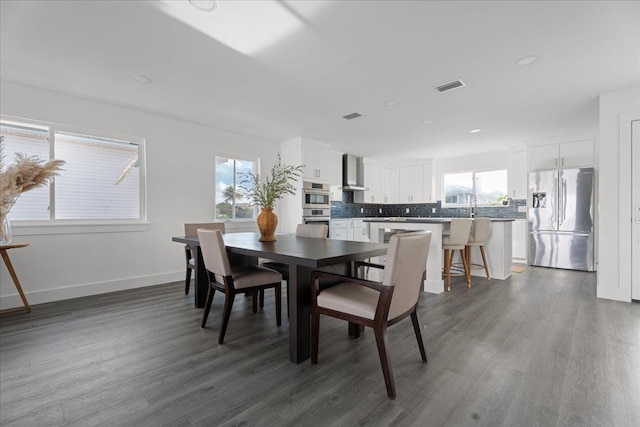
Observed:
{"x":302,"y":255}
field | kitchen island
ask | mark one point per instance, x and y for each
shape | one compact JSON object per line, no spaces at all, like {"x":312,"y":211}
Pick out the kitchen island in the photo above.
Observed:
{"x":498,"y":246}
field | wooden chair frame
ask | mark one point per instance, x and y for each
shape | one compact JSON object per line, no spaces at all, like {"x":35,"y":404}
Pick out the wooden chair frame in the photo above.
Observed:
{"x":379,"y":323}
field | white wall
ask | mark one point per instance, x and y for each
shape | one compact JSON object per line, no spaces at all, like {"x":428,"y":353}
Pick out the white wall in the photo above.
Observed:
{"x":180,"y":188}
{"x":477,"y":162}
{"x":613,"y":154}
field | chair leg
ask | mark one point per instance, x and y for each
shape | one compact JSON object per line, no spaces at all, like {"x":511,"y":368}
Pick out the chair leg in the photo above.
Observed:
{"x":228,"y":304}
{"x":447,"y":272}
{"x":416,"y":328}
{"x":187,"y":281}
{"x":484,"y":261}
{"x":383,"y":352}
{"x":261,"y":298}
{"x":207,"y":306}
{"x":315,"y":337}
{"x":465,"y":265}
{"x":288,"y":299}
{"x":278,"y":290}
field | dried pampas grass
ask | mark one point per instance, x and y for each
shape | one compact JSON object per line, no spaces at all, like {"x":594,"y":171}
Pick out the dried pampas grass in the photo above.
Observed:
{"x":27,"y":173}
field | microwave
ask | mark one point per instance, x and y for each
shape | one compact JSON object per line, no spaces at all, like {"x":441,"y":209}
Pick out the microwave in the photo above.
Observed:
{"x":316,"y":196}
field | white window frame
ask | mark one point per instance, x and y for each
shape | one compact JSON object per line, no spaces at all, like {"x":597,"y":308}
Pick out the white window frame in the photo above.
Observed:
{"x":473,"y":182}
{"x":256,"y":169}
{"x":80,"y":226}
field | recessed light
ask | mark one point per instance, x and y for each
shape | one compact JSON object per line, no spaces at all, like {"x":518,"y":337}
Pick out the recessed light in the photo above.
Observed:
{"x":475,"y":131}
{"x":205,"y":5}
{"x":142,"y":79}
{"x":426,"y":122}
{"x":308,"y":128}
{"x":391,"y":103}
{"x":426,"y":140}
{"x":526,"y":60}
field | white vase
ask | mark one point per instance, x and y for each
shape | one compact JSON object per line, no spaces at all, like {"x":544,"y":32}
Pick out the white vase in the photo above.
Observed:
{"x":5,"y":231}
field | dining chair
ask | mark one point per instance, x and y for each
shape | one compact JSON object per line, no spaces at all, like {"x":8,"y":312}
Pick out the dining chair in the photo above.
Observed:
{"x":248,"y":279}
{"x":190,"y":251}
{"x":373,"y":304}
{"x":315,"y":231}
{"x":479,"y":234}
{"x":459,"y":231}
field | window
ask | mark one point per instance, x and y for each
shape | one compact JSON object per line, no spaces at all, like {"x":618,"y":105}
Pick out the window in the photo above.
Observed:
{"x":488,"y":187}
{"x":101,"y":177}
{"x":230,"y":203}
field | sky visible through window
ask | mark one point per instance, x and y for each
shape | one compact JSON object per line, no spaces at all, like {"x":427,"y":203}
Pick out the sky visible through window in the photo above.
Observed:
{"x":230,"y":202}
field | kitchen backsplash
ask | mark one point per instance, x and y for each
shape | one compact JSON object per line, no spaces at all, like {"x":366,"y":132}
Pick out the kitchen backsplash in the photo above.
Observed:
{"x":348,"y":209}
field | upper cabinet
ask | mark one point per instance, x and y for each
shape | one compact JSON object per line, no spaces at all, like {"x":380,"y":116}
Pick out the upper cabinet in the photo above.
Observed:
{"x":518,"y":175}
{"x":370,"y":175}
{"x":564,"y":155}
{"x":390,"y":185}
{"x":411,"y":180}
{"x":321,"y":164}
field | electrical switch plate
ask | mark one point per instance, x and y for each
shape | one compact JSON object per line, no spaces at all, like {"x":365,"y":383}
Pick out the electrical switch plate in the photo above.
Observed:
{"x":433,"y":210}
{"x":522,"y":208}
{"x":407,"y":210}
{"x":380,"y":210}
{"x":361,"y":210}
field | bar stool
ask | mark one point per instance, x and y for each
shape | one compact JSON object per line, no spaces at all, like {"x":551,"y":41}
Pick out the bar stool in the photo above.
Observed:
{"x":457,"y":240}
{"x":479,"y":235}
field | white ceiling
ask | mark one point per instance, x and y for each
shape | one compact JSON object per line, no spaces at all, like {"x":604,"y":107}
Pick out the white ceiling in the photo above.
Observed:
{"x":346,"y":56}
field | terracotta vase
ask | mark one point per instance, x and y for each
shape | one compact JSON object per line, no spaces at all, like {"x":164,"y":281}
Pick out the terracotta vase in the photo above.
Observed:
{"x":267,"y":223}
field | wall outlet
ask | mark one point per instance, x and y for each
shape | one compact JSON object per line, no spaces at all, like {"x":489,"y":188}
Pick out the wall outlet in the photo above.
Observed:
{"x":380,"y":210}
{"x":433,"y":210}
{"x":407,"y":210}
{"x":361,"y":210}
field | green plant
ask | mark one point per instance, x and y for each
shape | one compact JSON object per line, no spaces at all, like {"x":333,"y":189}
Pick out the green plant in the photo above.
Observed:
{"x":504,"y":199}
{"x":266,"y":193}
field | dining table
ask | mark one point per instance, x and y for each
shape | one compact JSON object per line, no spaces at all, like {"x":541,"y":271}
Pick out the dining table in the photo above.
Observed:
{"x":303,"y":255}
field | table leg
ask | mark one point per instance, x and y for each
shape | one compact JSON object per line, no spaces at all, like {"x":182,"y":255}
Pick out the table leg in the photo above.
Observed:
{"x":12,"y":273}
{"x":299,"y":313}
{"x":201,"y":280}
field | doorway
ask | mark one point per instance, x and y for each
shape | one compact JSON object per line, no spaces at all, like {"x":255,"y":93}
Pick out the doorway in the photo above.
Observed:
{"x":635,"y":215}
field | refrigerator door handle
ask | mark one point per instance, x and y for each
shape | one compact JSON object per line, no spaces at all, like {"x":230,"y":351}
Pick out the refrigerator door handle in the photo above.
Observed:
{"x":562,"y":202}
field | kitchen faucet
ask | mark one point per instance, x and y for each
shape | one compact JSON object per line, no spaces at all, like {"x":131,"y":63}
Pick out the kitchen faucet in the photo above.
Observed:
{"x":473,"y":205}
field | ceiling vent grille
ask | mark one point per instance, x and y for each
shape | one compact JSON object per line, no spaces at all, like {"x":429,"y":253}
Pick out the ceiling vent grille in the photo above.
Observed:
{"x":450,"y":86}
{"x":352,"y":116}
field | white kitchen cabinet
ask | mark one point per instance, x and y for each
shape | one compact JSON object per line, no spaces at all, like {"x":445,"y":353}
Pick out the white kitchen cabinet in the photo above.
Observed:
{"x":390,"y":185}
{"x":317,"y":163}
{"x":571,"y":154}
{"x":411,"y":180}
{"x":519,"y":242}
{"x":335,"y":179}
{"x":518,"y":175}
{"x":352,"y":229}
{"x":372,"y":180}
{"x":428,"y":183}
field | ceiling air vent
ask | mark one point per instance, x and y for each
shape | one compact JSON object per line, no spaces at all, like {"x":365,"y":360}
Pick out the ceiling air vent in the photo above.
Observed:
{"x":450,"y":86}
{"x":352,"y":116}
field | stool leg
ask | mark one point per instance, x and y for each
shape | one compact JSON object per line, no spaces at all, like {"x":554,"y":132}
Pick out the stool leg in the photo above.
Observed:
{"x":484,"y":260}
{"x":12,"y":273}
{"x":467,"y":273}
{"x":447,"y":275}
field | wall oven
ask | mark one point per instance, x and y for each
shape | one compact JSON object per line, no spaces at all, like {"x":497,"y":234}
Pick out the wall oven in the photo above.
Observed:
{"x":316,"y":196}
{"x":317,"y":216}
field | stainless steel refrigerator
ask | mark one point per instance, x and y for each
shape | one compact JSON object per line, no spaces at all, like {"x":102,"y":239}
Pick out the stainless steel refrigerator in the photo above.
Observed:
{"x":561,"y":218}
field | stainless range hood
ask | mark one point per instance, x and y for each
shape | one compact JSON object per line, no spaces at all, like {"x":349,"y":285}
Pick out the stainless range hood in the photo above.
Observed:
{"x":351,"y":175}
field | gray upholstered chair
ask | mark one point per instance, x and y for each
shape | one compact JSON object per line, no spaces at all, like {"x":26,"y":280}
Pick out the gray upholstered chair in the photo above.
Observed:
{"x":315,"y":231}
{"x":373,"y":304}
{"x":190,"y":251}
{"x":459,"y":231}
{"x":479,"y":234}
{"x":249,"y":279}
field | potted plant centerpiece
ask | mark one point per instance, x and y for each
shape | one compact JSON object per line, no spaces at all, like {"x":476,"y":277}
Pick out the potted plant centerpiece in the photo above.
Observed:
{"x":27,"y":173}
{"x":266,"y":192}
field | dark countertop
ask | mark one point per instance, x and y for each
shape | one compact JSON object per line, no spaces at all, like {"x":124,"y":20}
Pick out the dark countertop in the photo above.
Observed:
{"x":426,"y":220}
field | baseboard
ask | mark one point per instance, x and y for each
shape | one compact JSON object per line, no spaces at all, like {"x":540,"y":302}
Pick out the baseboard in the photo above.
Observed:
{"x":77,"y":291}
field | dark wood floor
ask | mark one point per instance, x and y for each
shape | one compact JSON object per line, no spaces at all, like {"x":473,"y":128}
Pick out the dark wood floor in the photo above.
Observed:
{"x":538,"y":349}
